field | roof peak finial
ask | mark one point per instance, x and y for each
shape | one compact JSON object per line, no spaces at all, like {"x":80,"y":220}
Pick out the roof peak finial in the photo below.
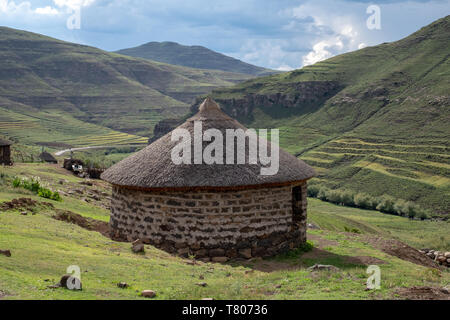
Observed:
{"x":209,"y":105}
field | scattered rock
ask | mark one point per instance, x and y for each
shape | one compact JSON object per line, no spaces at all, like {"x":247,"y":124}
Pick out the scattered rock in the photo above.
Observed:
{"x":6,"y":253}
{"x":219,"y":259}
{"x":137,"y":246}
{"x":122,"y":285}
{"x":245,"y":253}
{"x":202,"y":284}
{"x":69,"y":282}
{"x":443,"y":258}
{"x":312,"y":226}
{"x":148,"y":293}
{"x":319,"y":267}
{"x":446,"y":290}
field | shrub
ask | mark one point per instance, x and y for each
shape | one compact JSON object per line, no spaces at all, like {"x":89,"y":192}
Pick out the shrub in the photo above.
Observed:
{"x":400,"y":207}
{"x":347,"y":198}
{"x":56,"y":196}
{"x":322,"y":194}
{"x":333,"y":196}
{"x":313,"y":191}
{"x":363,"y":200}
{"x":386,"y":204}
{"x":352,"y":230}
{"x":34,"y":185}
{"x":422,"y":215}
{"x":45,"y":193}
{"x":16,"y":182}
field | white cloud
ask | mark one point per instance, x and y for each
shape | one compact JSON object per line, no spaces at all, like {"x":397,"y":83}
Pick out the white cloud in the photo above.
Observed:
{"x":73,"y":3}
{"x":280,"y":34}
{"x":335,"y":28}
{"x":47,"y":10}
{"x":284,"y":67}
{"x":10,"y":7}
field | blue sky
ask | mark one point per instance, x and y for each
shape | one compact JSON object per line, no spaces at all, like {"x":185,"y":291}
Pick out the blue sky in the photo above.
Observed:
{"x":278,"y":34}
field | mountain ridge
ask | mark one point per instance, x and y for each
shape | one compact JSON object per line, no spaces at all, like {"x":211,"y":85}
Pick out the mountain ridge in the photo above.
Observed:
{"x":123,"y":93}
{"x":193,"y":56}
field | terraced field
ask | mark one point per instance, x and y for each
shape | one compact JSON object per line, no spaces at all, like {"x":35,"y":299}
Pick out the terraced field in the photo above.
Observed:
{"x":56,"y":130}
{"x":418,"y":172}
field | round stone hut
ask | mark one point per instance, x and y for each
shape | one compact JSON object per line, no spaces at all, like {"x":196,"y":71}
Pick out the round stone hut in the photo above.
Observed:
{"x":212,"y":211}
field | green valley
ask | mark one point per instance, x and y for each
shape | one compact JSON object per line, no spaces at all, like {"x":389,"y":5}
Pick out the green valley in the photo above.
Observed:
{"x":374,"y":120}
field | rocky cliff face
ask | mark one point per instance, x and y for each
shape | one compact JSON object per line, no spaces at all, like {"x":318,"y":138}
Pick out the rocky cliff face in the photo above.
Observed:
{"x":302,"y":94}
{"x":162,"y":127}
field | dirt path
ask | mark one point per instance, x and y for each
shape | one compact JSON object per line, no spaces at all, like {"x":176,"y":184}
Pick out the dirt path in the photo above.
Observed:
{"x":61,"y":152}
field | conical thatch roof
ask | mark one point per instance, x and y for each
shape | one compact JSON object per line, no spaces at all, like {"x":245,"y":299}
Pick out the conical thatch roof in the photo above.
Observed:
{"x":5,"y":143}
{"x":153,"y":167}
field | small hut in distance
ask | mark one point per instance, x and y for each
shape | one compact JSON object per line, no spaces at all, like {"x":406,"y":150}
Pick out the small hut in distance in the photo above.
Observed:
{"x":5,"y":152}
{"x":47,"y":157}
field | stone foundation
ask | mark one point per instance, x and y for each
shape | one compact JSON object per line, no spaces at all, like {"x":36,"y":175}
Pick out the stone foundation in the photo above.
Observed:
{"x":217,"y":225}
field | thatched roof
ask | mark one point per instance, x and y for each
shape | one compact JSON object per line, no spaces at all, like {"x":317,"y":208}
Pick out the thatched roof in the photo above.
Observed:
{"x":5,"y":143}
{"x":47,"y":157}
{"x":152,"y":167}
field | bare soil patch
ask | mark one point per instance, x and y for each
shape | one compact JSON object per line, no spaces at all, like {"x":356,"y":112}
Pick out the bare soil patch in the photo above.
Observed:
{"x":24,"y":204}
{"x":320,"y":242}
{"x":423,"y":293}
{"x":364,"y":260}
{"x":86,"y":223}
{"x":401,"y":250}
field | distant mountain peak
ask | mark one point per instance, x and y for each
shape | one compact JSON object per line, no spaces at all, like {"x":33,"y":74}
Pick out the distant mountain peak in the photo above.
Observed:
{"x":193,"y":56}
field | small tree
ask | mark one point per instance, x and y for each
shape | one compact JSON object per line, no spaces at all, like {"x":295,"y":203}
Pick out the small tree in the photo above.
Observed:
{"x":313,"y":191}
{"x":386,"y":204}
{"x":363,"y":200}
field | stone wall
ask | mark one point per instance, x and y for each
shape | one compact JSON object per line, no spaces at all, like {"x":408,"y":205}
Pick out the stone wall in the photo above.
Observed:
{"x":212,"y":225}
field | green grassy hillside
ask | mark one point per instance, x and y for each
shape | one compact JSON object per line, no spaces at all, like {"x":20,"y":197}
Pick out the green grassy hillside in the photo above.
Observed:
{"x":50,"y":78}
{"x":193,"y":57}
{"x":374,"y":120}
{"x":42,"y":248}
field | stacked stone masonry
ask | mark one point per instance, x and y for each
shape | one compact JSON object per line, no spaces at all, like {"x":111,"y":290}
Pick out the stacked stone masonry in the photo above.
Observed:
{"x":217,"y":225}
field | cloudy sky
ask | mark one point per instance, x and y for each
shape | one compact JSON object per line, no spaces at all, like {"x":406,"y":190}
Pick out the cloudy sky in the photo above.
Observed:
{"x":278,"y":34}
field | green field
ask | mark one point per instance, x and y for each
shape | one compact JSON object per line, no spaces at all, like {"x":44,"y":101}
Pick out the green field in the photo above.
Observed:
{"x":42,"y":248}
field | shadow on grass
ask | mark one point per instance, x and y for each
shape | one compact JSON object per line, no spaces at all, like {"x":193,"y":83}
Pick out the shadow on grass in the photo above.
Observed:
{"x":302,"y":260}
